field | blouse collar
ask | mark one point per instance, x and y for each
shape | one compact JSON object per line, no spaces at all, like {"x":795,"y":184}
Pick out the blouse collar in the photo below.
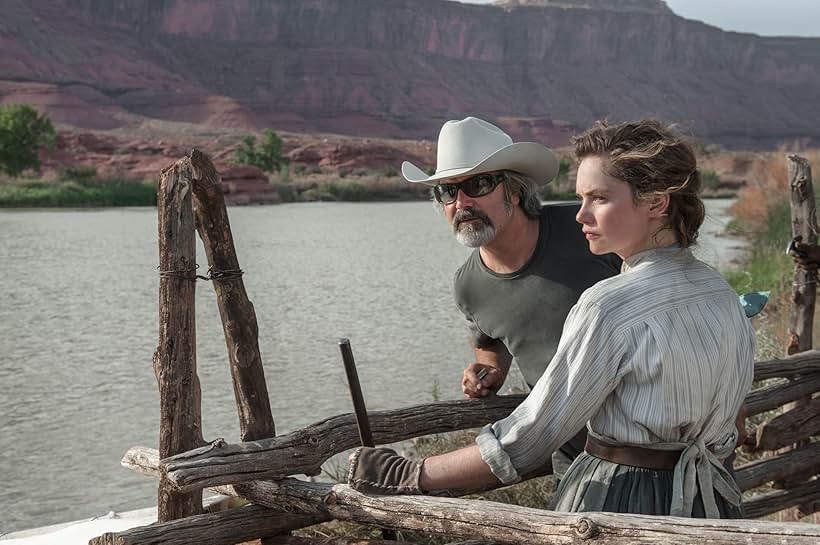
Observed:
{"x":653,"y":255}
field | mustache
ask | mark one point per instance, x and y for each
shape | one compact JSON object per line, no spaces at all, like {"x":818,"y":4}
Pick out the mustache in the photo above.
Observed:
{"x":466,"y":214}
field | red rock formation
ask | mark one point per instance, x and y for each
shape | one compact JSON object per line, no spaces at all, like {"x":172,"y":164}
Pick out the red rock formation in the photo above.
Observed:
{"x":243,"y":184}
{"x":401,"y":67}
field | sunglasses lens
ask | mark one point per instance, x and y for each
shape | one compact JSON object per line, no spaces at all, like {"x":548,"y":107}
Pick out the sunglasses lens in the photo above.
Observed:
{"x":445,"y":193}
{"x":479,"y":186}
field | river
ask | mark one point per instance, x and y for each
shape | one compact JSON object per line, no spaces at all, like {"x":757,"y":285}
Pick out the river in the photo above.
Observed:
{"x":79,"y":324}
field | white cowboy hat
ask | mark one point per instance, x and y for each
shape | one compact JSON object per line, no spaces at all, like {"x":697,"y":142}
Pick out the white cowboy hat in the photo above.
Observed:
{"x":473,"y":146}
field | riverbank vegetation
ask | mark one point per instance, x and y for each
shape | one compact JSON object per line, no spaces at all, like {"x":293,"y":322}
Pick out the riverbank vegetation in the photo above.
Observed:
{"x":77,"y":187}
{"x":762,"y":215}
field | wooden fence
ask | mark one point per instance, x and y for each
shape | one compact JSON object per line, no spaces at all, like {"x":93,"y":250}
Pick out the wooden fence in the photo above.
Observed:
{"x":259,"y":469}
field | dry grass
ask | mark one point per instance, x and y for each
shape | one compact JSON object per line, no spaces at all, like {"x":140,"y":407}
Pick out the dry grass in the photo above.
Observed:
{"x":766,"y":186}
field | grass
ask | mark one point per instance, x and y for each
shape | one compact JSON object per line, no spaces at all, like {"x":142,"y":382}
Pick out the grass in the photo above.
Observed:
{"x":364,"y":187}
{"x":74,"y":193}
{"x":768,"y":268}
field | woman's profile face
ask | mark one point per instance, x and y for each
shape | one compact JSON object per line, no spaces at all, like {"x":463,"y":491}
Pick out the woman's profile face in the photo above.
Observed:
{"x":610,"y":219}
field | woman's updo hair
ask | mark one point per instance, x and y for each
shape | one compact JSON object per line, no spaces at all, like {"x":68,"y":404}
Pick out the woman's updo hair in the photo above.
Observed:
{"x":652,"y":158}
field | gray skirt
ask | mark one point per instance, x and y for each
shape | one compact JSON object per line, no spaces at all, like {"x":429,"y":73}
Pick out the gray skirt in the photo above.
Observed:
{"x":593,"y":484}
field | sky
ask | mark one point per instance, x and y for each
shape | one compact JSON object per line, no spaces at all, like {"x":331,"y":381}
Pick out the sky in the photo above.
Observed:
{"x":764,"y":17}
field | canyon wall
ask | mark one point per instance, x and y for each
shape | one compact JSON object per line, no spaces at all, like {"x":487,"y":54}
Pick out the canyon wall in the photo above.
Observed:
{"x":398,"y":68}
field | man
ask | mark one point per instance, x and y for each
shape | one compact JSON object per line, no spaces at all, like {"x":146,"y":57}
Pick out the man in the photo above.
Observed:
{"x":531,"y":262}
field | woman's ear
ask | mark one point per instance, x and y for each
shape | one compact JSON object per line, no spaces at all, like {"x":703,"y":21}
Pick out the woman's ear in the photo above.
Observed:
{"x":658,"y":205}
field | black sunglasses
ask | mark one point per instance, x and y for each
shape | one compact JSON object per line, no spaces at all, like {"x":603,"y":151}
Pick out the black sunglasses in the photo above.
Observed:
{"x":477,"y":186}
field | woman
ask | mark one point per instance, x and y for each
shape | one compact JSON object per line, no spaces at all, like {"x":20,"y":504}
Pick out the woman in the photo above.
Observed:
{"x":656,"y":360}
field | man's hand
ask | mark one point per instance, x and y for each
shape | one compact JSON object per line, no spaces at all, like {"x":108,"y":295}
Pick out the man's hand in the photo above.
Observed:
{"x":481,"y":380}
{"x":383,"y":471}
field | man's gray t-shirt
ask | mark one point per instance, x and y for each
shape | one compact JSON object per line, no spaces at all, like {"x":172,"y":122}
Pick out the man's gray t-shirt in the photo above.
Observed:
{"x":526,"y":309}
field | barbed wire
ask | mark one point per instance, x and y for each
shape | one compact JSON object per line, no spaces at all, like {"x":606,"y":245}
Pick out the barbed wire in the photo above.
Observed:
{"x":213,"y":274}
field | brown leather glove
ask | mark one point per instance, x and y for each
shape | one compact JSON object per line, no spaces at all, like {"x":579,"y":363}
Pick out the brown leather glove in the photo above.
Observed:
{"x":383,"y":471}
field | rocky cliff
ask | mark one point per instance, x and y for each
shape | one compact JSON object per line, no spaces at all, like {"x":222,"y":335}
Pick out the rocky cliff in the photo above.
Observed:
{"x":399,"y":68}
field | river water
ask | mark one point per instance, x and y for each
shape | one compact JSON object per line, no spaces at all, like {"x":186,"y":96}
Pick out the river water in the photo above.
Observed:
{"x":79,"y":324}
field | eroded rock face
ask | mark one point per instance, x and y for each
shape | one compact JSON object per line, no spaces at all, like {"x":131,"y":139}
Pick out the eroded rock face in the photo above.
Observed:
{"x":399,"y":68}
{"x":643,"y":6}
{"x":108,"y":155}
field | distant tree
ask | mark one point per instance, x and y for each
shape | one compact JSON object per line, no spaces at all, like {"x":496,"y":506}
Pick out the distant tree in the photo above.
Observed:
{"x":23,"y":131}
{"x":563,"y":170}
{"x":710,"y":179}
{"x":267,"y":156}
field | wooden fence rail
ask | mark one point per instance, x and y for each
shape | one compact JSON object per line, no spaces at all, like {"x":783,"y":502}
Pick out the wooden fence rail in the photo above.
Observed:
{"x":304,"y":451}
{"x":500,"y":523}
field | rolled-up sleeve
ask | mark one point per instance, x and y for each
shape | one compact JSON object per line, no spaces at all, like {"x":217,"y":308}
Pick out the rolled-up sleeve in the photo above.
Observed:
{"x":583,"y":372}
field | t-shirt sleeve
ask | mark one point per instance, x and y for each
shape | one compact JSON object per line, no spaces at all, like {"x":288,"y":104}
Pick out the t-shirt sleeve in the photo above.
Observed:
{"x":583,"y":372}
{"x":477,"y":337}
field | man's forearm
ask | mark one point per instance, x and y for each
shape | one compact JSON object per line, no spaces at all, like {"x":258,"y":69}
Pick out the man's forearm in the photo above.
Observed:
{"x":496,"y":356}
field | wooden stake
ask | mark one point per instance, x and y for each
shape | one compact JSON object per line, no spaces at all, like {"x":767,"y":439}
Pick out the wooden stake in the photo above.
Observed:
{"x":804,"y":225}
{"x":235,"y":309}
{"x":180,"y":425}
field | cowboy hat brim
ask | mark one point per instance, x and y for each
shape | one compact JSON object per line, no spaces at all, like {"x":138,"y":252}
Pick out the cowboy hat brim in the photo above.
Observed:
{"x":528,"y":158}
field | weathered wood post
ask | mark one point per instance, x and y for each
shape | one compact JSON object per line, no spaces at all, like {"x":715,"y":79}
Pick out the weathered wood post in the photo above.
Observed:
{"x":235,"y":309}
{"x":180,"y":426}
{"x":804,"y":225}
{"x":804,"y":286}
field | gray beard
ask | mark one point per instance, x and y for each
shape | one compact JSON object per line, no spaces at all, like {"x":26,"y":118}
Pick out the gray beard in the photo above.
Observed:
{"x":473,"y":235}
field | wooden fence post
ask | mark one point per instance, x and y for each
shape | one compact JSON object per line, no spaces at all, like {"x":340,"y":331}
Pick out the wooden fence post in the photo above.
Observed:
{"x":235,"y":309}
{"x":180,"y":427}
{"x":804,"y":224}
{"x":804,"y":286}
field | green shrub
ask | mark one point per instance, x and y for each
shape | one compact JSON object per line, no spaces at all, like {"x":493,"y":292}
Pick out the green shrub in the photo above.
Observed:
{"x":768,"y":266}
{"x":710,"y":179}
{"x":348,"y":191}
{"x":563,"y":170}
{"x":268,"y":156}
{"x":286,"y":192}
{"x":23,"y":131}
{"x":84,"y":174}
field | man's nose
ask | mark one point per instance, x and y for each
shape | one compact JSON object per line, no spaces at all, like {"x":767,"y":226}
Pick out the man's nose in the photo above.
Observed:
{"x":463,"y":200}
